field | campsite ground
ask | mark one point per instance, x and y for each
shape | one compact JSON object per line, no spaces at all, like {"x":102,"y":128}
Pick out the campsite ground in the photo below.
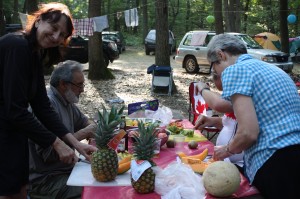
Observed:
{"x":133,"y":84}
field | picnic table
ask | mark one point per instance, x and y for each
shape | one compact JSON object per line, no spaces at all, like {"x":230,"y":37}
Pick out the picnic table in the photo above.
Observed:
{"x":122,"y":188}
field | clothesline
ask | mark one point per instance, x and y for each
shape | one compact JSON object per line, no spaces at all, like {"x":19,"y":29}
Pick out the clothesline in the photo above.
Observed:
{"x":88,"y":26}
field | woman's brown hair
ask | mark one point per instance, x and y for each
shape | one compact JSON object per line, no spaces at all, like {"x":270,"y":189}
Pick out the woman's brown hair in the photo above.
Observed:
{"x":50,"y":12}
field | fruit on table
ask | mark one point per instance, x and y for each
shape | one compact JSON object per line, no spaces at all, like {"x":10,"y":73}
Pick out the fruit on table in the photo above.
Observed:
{"x":123,"y":167}
{"x":221,"y":179}
{"x":199,"y":167}
{"x":104,"y":162}
{"x":193,"y":144}
{"x":125,"y":159}
{"x":187,"y":132}
{"x":143,"y":149}
{"x":170,"y":143}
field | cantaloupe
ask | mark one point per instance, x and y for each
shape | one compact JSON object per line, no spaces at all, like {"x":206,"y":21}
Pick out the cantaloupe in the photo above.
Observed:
{"x":221,"y":179}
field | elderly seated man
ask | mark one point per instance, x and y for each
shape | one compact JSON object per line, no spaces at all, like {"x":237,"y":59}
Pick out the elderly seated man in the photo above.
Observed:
{"x":48,"y":175}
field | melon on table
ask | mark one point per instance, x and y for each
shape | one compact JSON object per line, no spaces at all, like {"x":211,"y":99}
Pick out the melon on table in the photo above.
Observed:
{"x":221,"y":179}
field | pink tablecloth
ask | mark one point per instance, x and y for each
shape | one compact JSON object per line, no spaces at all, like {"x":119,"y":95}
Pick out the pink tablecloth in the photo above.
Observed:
{"x":167,"y":155}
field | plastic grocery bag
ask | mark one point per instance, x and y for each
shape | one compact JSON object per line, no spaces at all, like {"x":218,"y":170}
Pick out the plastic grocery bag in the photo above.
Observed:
{"x":178,"y":181}
{"x":163,"y":114}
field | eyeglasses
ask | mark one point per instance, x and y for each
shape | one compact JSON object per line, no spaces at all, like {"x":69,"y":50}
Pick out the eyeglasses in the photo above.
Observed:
{"x":82,"y":85}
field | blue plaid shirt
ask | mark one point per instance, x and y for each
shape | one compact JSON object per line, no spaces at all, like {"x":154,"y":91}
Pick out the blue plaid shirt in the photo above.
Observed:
{"x":276,"y":102}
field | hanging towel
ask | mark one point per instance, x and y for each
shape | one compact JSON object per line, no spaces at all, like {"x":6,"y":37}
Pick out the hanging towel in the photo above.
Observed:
{"x":24,"y":19}
{"x":198,"y":39}
{"x":131,"y":17}
{"x":83,"y":26}
{"x":100,"y":23}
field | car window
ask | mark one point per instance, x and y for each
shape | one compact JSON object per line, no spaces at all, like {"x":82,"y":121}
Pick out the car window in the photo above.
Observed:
{"x":188,"y":40}
{"x":250,"y":43}
{"x":151,"y":35}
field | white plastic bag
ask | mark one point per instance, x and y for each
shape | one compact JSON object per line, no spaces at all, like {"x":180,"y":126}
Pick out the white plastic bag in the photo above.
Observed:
{"x":164,"y":114}
{"x":178,"y":181}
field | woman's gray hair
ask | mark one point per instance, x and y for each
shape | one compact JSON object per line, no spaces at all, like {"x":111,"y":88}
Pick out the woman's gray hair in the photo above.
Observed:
{"x":64,"y":71}
{"x":225,"y":42}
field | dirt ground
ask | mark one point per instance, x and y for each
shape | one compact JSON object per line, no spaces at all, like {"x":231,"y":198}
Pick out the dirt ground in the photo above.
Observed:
{"x":133,"y":84}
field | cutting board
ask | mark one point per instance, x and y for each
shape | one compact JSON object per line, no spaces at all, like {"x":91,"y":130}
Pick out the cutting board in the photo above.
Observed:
{"x":82,"y":176}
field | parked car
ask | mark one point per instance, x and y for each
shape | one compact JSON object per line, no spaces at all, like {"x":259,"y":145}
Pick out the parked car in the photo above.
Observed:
{"x":150,"y":41}
{"x":192,"y":51}
{"x":77,"y":50}
{"x":12,"y":28}
{"x":117,"y":37}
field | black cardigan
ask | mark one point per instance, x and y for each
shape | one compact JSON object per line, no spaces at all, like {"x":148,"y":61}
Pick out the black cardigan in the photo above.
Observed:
{"x":22,"y":84}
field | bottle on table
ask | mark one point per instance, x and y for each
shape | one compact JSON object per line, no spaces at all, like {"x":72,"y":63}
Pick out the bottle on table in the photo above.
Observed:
{"x":123,"y":144}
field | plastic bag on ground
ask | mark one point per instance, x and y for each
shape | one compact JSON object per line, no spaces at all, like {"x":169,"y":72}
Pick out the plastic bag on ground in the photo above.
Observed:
{"x":178,"y":181}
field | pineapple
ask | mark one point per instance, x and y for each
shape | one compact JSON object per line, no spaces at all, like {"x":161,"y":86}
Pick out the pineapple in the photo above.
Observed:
{"x":143,"y":149}
{"x":104,"y":162}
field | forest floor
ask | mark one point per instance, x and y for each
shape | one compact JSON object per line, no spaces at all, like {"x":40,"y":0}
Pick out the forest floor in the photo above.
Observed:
{"x":133,"y":84}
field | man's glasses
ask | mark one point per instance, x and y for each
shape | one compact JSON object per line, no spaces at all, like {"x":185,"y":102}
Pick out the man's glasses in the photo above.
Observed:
{"x":82,"y":85}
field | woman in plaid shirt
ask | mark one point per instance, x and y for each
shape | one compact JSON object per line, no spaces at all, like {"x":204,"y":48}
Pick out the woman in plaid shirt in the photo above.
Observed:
{"x":267,"y":107}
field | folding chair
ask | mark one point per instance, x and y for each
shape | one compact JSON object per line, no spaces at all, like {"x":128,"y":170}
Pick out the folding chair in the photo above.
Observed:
{"x":198,"y":107}
{"x":162,"y":79}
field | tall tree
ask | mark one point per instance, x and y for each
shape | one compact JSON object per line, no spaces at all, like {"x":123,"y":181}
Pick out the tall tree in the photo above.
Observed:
{"x":284,"y":31}
{"x":232,"y":15}
{"x":162,"y":50}
{"x":15,"y":17}
{"x":246,"y":8}
{"x":32,"y":6}
{"x":174,"y":12}
{"x":218,"y":17}
{"x":145,"y":19}
{"x":188,"y":15}
{"x":2,"y":21}
{"x":97,"y":67}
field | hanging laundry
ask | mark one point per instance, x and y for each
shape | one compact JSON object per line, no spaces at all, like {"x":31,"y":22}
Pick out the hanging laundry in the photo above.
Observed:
{"x":24,"y":19}
{"x":83,"y":26}
{"x":131,"y":17}
{"x":100,"y":23}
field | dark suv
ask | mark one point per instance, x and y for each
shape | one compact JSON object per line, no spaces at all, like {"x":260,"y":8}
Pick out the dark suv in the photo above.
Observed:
{"x":77,"y":50}
{"x":117,"y":37}
{"x":150,"y":41}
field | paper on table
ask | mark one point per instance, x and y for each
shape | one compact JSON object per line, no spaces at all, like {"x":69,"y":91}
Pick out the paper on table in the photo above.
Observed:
{"x":82,"y":176}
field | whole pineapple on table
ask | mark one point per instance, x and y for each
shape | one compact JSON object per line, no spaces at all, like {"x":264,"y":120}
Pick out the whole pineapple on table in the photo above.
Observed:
{"x":143,"y":150}
{"x":104,"y":162}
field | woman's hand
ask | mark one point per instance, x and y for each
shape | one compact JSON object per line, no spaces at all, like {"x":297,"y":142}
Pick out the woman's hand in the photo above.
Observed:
{"x":199,"y":87}
{"x":65,"y":153}
{"x":220,"y":153}
{"x":203,"y":121}
{"x":85,"y":149}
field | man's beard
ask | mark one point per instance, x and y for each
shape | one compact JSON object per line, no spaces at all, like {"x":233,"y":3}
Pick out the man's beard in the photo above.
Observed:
{"x":71,"y":97}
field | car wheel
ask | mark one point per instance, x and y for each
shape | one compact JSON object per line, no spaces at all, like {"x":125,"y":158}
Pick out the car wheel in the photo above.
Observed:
{"x":106,"y":60}
{"x":147,"y":51}
{"x":190,"y":64}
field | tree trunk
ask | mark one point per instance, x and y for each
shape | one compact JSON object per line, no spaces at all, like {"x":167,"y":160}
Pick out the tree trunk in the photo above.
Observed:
{"x":237,"y":15}
{"x":145,"y":20}
{"x":218,"y":17}
{"x":97,"y":67}
{"x":2,"y":21}
{"x":162,"y":49}
{"x":245,"y":15}
{"x":226,"y":13}
{"x":188,"y":15}
{"x":32,"y":6}
{"x":15,"y":17}
{"x":284,"y":31}
{"x":174,"y":12}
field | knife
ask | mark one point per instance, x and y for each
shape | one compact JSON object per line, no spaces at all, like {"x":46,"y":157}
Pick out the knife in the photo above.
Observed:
{"x":84,"y":160}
